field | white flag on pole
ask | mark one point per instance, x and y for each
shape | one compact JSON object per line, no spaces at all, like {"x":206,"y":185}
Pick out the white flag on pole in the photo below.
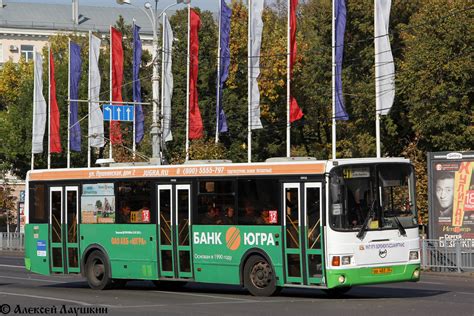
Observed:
{"x":167,"y":78}
{"x":256,"y":43}
{"x":39,"y":106}
{"x":96,"y":127}
{"x":384,"y":66}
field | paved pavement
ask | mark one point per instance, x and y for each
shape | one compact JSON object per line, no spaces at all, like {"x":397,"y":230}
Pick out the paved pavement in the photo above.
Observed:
{"x":435,"y":294}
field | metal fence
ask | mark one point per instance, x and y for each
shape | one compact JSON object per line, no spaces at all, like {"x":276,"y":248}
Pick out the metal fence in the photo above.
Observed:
{"x":12,"y":241}
{"x":447,"y":256}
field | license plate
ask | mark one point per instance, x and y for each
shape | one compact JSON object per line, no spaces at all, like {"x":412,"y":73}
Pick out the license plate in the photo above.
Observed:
{"x":381,"y":270}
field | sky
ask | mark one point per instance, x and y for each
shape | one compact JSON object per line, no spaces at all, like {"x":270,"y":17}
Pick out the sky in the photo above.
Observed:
{"x":211,"y":5}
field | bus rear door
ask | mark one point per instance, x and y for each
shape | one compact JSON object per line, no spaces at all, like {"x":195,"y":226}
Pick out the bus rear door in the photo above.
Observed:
{"x":302,"y":204}
{"x":174,"y":205}
{"x":64,"y":229}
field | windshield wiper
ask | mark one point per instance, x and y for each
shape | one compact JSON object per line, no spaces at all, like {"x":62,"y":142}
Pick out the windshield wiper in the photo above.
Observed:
{"x":369,"y":217}
{"x":400,"y":227}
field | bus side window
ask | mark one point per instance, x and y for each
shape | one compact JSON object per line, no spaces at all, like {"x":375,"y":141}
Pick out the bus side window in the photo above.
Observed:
{"x":37,"y":211}
{"x":215,"y":197}
{"x":258,"y":202}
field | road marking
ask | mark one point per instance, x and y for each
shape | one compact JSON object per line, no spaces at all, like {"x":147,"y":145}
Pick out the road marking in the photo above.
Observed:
{"x":47,"y":298}
{"x":205,"y":295}
{"x":30,"y":279}
{"x":11,"y":266}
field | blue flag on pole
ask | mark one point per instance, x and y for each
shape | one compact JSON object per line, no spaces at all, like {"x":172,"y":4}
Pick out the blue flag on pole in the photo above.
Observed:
{"x":137,"y":89}
{"x":224,"y":61}
{"x":340,"y":13}
{"x":75,"y":64}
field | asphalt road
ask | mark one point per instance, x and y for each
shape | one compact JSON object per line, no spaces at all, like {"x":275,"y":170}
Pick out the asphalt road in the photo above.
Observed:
{"x":435,"y":294}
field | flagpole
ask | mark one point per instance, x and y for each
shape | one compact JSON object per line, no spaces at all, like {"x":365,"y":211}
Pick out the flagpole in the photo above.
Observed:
{"x":377,"y":88}
{"x":249,"y":83}
{"x":134,"y":144}
{"x":288,"y":88}
{"x":89,"y":152}
{"x":333,"y":81}
{"x":49,"y":106}
{"x":218,"y":108}
{"x":33,"y":130}
{"x":163,"y":78}
{"x":69,"y":108}
{"x":111,"y":96}
{"x":187,"y":83}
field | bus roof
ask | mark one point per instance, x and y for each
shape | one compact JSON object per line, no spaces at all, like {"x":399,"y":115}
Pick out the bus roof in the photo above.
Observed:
{"x":309,"y":167}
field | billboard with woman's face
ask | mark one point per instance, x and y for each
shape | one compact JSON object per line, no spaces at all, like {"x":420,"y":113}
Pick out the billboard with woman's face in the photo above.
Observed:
{"x":451,"y":196}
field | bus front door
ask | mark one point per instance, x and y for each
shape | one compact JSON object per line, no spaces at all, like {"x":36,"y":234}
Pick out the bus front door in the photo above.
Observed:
{"x":302,"y":204}
{"x":174,"y":205}
{"x":64,"y":229}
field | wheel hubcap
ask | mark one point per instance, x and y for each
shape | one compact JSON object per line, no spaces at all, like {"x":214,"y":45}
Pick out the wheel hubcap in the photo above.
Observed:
{"x":261,"y":274}
{"x":98,"y":270}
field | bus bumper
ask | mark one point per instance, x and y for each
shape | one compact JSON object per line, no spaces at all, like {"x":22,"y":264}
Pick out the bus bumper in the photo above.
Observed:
{"x":372,"y":275}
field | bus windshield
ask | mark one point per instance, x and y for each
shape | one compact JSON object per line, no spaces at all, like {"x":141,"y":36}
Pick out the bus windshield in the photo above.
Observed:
{"x":372,"y":197}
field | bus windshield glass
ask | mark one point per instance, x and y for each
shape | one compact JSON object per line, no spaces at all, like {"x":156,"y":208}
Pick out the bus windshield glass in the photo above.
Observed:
{"x":372,"y":197}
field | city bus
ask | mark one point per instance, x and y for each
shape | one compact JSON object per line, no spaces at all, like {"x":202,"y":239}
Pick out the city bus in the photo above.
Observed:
{"x":286,"y":222}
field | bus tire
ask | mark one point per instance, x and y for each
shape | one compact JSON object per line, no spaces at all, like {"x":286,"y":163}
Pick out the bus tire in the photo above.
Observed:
{"x":97,"y":271}
{"x":259,"y":277}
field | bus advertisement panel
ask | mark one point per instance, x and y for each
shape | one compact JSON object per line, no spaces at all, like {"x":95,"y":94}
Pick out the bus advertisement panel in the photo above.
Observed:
{"x":451,"y":197}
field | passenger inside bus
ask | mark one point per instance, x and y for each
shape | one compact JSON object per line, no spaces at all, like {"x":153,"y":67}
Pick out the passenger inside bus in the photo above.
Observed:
{"x":229,"y":218}
{"x":248,"y":217}
{"x":264,"y":217}
{"x":211,"y":217}
{"x":124,"y":214}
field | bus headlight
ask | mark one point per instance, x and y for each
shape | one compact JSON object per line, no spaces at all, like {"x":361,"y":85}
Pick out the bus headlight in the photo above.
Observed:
{"x":341,"y":279}
{"x":416,"y":274}
{"x":346,"y":260}
{"x":414,"y":255}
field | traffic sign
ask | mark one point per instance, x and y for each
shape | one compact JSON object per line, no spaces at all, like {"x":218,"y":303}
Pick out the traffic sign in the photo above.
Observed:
{"x":118,"y":112}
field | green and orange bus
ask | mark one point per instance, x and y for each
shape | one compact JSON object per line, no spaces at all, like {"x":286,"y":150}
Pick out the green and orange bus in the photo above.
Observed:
{"x":283,"y":223}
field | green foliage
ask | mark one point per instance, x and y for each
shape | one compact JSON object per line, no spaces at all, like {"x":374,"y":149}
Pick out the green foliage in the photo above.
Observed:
{"x":432,"y":43}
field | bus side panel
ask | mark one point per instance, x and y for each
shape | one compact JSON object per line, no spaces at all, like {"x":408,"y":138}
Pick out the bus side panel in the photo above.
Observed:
{"x":218,"y":250}
{"x":131,"y":248}
{"x":36,"y":248}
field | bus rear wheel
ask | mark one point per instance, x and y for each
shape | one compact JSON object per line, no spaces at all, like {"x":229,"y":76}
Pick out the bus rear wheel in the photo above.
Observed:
{"x":97,"y":271}
{"x":259,"y":277}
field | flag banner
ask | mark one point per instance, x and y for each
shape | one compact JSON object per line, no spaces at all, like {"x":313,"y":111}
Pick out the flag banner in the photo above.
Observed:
{"x":340,"y":16}
{"x":137,"y":89}
{"x":39,"y":107}
{"x":385,"y":78}
{"x":255,"y":46}
{"x":224,"y":61}
{"x":96,"y":128}
{"x":168,"y":83}
{"x":195,"y":121}
{"x":117,"y":79}
{"x":54,"y":136}
{"x":295,"y":110}
{"x":75,"y":64}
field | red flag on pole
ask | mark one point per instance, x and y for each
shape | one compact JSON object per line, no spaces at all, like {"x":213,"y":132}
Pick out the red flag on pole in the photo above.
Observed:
{"x":195,"y":120}
{"x":295,"y":111}
{"x":55,"y":138}
{"x":117,"y":79}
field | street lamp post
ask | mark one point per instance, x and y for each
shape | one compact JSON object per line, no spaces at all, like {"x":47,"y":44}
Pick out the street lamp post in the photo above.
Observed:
{"x":156,"y":129}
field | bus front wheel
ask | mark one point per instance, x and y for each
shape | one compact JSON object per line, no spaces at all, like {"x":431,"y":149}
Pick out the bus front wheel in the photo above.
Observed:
{"x":97,"y":271}
{"x":259,"y":277}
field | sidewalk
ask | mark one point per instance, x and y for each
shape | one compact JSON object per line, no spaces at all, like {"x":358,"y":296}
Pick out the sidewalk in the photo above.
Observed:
{"x":12,"y":253}
{"x":465,"y":274}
